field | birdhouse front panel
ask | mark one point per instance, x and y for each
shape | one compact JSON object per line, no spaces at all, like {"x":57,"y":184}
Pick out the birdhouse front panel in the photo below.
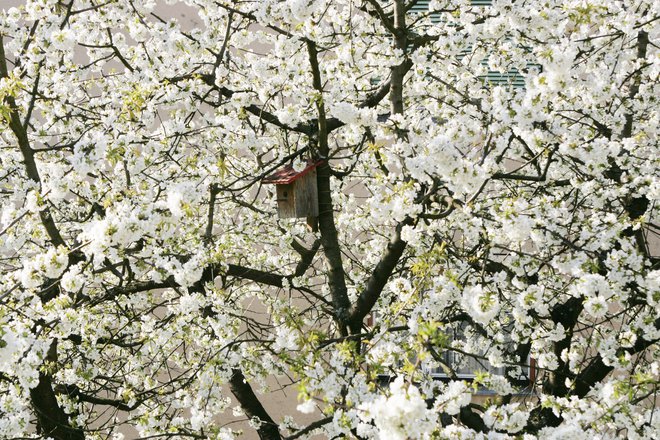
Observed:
{"x":286,"y":206}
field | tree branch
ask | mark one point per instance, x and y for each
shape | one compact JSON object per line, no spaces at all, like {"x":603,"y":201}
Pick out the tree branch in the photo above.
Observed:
{"x":258,"y":276}
{"x":395,"y":248}
{"x":381,"y":274}
{"x":329,"y":237}
{"x":28,"y":154}
{"x":52,"y":420}
{"x":241,"y":389}
{"x":309,"y":428}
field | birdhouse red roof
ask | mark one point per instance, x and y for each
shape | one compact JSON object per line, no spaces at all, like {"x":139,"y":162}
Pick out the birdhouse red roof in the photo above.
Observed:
{"x":287,"y":174}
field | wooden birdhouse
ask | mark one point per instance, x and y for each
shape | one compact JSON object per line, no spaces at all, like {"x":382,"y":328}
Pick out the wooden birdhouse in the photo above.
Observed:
{"x":297,"y":194}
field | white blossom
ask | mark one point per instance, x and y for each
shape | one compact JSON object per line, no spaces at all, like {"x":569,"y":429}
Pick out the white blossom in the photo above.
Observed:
{"x":401,"y":415}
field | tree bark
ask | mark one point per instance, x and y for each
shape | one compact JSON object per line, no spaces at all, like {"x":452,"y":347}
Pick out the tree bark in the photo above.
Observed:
{"x":268,"y":430}
{"x":52,"y":421}
{"x":26,"y":151}
{"x":329,"y":236}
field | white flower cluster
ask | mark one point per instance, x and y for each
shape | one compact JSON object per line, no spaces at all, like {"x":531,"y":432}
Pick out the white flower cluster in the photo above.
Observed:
{"x":402,"y":415}
{"x":482,"y":305}
{"x":49,"y":265}
{"x":506,"y":418}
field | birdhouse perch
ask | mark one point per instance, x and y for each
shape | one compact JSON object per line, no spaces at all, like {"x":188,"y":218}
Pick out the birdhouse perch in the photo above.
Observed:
{"x":297,"y":194}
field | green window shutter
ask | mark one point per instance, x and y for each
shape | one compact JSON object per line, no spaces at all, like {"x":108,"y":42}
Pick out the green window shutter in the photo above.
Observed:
{"x":511,"y":78}
{"x":420,"y":6}
{"x":423,"y":5}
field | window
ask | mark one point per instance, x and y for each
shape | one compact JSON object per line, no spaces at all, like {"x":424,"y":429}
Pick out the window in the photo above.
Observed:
{"x":463,"y":366}
{"x":457,"y":365}
{"x":512,"y":77}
